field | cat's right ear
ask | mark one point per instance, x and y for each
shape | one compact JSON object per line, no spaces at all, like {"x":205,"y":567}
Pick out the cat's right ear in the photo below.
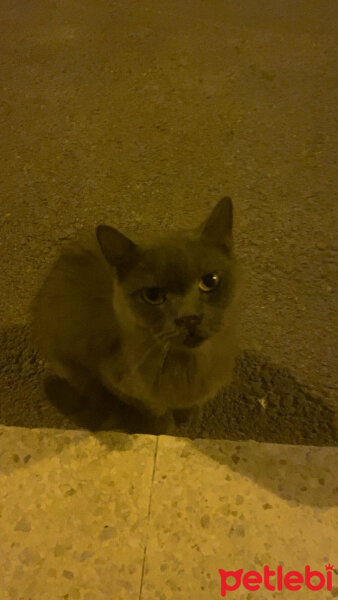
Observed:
{"x":118,"y":250}
{"x":217,"y":228}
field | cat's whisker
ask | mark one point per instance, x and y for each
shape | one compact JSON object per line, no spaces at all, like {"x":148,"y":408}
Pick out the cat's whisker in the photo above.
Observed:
{"x":143,"y":358}
{"x":158,"y":375}
{"x":161,"y":337}
{"x":165,"y":336}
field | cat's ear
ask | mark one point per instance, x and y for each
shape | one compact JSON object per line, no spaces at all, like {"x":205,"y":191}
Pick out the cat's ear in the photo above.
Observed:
{"x":117,"y":249}
{"x":217,"y":228}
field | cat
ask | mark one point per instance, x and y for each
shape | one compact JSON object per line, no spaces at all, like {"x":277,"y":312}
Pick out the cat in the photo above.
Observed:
{"x":152,"y":322}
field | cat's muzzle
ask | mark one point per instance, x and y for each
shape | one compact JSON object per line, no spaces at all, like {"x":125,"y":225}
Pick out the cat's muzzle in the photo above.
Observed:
{"x":192,"y":340}
{"x":190,"y":337}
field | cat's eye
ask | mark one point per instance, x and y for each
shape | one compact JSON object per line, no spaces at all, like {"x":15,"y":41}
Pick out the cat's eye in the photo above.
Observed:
{"x":153,"y":295}
{"x":209,"y":282}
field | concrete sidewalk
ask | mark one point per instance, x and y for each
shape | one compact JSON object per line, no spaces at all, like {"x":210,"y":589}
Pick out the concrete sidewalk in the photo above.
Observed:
{"x":113,"y":516}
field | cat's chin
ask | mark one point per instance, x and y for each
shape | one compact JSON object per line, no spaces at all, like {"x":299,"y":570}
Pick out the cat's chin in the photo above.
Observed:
{"x":193,"y":340}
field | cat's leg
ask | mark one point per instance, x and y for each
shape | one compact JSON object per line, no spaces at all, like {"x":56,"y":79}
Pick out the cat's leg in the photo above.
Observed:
{"x":163,"y":425}
{"x":77,"y":377}
{"x":75,"y":393}
{"x":189,"y":416}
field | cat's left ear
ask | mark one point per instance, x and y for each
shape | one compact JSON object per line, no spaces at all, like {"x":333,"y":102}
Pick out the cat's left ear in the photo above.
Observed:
{"x":118,"y":250}
{"x":217,"y":228}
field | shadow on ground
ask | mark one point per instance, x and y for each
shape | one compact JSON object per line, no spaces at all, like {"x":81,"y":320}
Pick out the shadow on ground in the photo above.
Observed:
{"x":264,"y":402}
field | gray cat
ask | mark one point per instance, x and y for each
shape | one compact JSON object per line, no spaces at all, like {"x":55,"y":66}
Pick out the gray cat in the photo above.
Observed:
{"x":154,"y":322}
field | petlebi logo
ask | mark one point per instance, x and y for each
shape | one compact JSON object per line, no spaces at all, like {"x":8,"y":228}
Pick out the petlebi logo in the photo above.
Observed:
{"x":291,"y":580}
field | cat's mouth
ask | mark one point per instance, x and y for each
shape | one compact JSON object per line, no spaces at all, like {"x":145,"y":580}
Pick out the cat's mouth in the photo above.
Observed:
{"x":192,"y":340}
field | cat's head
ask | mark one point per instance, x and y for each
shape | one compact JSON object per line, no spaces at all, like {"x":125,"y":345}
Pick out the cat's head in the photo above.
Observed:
{"x":178,"y":287}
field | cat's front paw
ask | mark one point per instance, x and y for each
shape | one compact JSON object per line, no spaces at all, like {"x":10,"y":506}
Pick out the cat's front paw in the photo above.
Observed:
{"x":189,"y":416}
{"x":163,"y":425}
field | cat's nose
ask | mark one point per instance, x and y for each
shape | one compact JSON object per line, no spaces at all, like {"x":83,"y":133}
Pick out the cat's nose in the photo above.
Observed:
{"x":189,"y":321}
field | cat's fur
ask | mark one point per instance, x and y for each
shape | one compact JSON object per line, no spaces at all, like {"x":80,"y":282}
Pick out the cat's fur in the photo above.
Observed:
{"x":93,"y":320}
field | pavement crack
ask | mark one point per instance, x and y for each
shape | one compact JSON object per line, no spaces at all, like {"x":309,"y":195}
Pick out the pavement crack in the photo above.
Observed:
{"x":148,"y":518}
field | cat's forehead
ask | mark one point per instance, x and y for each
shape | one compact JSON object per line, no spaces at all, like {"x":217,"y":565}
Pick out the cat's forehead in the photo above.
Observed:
{"x":175,"y":264}
{"x":171,"y":267}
